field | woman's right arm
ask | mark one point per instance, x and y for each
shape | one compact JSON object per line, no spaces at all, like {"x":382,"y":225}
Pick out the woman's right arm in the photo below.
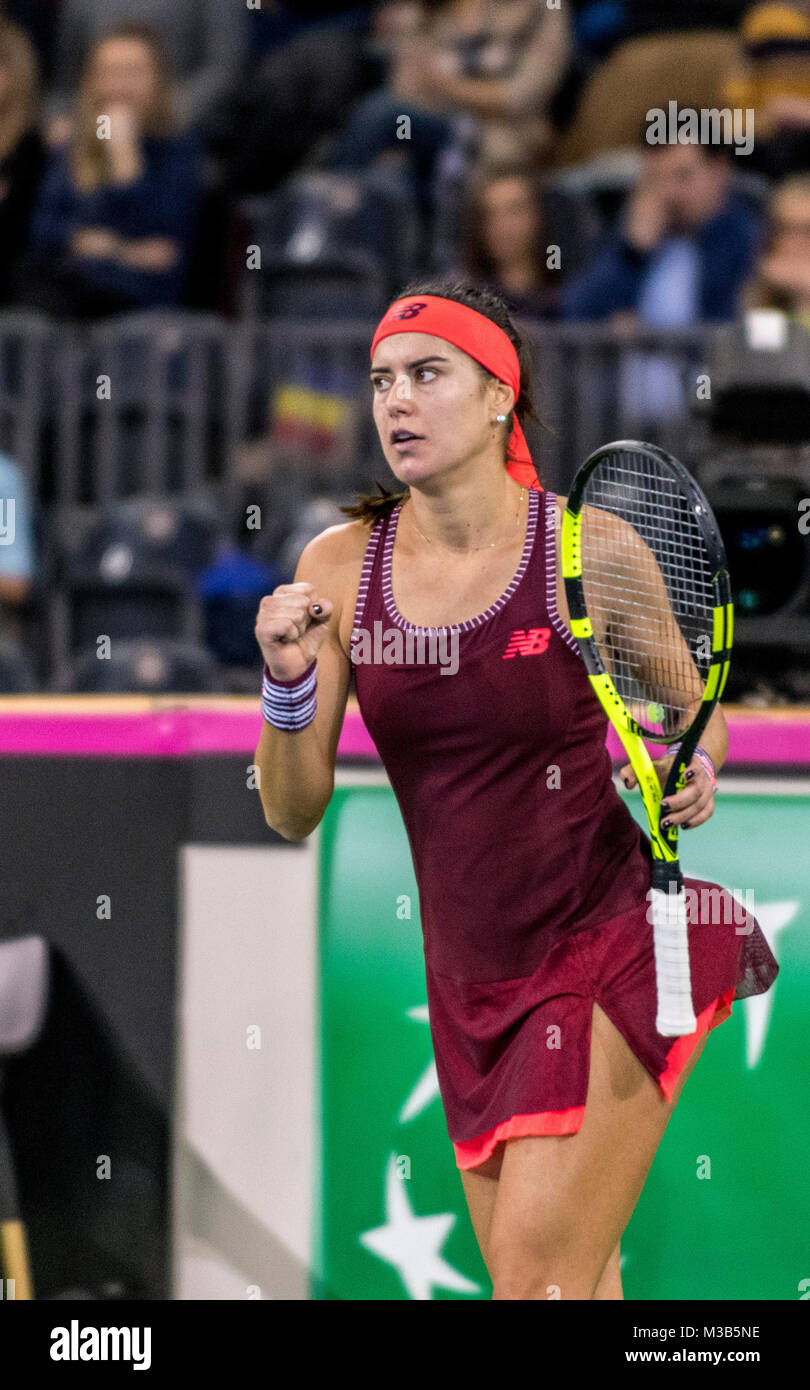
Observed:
{"x":297,"y":768}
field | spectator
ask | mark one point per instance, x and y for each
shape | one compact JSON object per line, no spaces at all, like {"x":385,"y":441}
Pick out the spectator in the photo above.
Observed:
{"x":679,"y":258}
{"x":500,"y":72}
{"x":117,"y":210}
{"x":781,"y":279}
{"x":207,"y":40}
{"x":21,"y":149}
{"x":774,"y":82}
{"x":16,"y":545}
{"x":683,"y":249}
{"x":502,"y":241}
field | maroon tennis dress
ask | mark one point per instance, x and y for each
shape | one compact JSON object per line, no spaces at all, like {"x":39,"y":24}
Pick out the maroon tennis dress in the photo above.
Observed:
{"x":532,"y":873}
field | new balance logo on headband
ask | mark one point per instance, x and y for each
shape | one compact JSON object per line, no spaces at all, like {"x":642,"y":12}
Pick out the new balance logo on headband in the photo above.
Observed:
{"x":527,"y":642}
{"x":411,"y":310}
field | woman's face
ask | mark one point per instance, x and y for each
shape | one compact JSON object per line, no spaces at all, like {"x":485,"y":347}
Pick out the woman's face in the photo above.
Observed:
{"x":431,"y":388}
{"x":510,"y":223}
{"x":123,"y":72}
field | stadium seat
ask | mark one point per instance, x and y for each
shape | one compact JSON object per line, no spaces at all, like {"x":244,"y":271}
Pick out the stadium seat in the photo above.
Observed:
{"x":150,"y":603}
{"x":142,"y":667}
{"x":689,"y":66}
{"x":16,"y":672}
{"x":759,"y":395}
{"x":330,"y":243}
{"x":131,"y":574}
{"x":142,"y":406}
{"x":167,"y":532}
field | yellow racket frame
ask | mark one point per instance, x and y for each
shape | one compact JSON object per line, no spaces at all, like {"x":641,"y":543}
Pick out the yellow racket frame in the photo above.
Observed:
{"x":620,"y":717}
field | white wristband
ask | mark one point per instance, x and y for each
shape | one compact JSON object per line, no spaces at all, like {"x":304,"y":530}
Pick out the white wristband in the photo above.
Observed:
{"x":291,"y":704}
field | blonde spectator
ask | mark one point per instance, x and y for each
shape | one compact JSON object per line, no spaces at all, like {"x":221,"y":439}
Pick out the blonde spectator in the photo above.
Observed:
{"x":781,"y":279}
{"x":114,"y":223}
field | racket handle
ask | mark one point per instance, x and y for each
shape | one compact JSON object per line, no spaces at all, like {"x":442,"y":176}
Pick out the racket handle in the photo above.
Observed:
{"x":676,"y":1014}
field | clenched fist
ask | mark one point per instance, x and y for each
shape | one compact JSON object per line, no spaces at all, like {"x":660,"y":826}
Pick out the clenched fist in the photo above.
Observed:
{"x":291,"y":628}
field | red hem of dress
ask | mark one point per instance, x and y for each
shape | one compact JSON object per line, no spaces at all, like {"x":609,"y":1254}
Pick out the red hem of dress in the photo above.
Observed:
{"x":472,"y":1152}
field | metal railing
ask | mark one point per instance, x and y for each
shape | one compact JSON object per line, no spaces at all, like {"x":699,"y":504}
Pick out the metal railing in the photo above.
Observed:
{"x":163,"y":402}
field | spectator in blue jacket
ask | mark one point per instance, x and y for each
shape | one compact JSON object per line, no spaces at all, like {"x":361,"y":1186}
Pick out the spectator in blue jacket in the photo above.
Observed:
{"x":684,"y":247}
{"x":681,"y":255}
{"x":114,"y":224}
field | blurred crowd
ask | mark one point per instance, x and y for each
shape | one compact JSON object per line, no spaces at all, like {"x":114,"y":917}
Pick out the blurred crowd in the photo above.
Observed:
{"x":134,"y":133}
{"x":123,"y":121}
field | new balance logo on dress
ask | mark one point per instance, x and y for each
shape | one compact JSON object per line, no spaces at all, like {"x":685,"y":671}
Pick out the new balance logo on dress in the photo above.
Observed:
{"x":527,"y":642}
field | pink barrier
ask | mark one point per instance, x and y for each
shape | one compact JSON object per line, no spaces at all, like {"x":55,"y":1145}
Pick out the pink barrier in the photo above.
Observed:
{"x":137,"y":726}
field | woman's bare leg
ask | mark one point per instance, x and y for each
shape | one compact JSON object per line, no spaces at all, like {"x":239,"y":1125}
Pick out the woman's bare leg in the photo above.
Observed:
{"x":563,"y":1201}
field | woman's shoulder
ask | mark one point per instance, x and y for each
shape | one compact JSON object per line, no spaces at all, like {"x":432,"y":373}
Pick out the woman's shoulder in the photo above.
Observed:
{"x":333,"y":563}
{"x":339,"y":547}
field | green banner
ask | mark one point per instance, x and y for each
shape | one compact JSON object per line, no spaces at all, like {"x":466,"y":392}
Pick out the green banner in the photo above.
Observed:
{"x":724,"y":1212}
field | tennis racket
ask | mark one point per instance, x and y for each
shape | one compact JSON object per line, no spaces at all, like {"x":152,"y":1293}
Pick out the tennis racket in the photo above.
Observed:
{"x":649,"y":597}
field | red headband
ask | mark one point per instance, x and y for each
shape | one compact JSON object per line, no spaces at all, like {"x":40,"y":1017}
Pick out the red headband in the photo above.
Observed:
{"x":480,"y":338}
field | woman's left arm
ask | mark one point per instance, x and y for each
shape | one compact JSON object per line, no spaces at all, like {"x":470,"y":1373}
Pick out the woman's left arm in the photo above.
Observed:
{"x":695,"y":803}
{"x":679,"y":682}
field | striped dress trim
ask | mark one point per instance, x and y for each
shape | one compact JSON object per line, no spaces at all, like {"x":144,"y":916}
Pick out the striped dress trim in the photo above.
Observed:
{"x":470,"y":623}
{"x":551,"y":574}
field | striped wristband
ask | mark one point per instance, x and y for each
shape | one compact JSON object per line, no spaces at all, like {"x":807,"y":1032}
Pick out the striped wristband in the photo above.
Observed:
{"x":289,"y":705}
{"x":704,"y":758}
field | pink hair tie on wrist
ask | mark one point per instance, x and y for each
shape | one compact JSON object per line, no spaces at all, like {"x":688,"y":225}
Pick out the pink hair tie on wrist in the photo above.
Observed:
{"x":708,"y":766}
{"x":289,"y":705}
{"x":702,"y":755}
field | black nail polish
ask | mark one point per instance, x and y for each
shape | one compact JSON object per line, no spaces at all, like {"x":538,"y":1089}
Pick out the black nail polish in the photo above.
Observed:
{"x":665,"y":806}
{"x":665,"y":824}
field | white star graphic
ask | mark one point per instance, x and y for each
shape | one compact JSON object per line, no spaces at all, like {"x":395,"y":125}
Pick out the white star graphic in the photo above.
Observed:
{"x":773,"y":917}
{"x":427,"y":1087}
{"x":412,"y":1244}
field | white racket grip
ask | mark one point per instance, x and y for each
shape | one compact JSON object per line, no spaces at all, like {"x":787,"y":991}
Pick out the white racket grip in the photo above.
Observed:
{"x":676,"y":1014}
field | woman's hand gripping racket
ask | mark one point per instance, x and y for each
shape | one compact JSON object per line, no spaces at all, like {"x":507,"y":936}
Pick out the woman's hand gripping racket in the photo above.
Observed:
{"x":650,"y":603}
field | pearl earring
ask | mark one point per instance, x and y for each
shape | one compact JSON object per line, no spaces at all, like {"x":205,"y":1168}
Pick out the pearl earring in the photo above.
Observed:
{"x":500,"y":419}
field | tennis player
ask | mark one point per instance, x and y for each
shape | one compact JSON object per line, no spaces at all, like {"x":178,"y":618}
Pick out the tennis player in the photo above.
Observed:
{"x":533,"y":875}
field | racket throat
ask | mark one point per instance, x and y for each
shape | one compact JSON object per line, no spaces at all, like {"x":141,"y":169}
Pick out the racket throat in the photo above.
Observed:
{"x":667,"y":876}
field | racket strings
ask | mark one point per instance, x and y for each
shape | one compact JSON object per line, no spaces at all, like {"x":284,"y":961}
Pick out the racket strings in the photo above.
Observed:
{"x":649,"y":590}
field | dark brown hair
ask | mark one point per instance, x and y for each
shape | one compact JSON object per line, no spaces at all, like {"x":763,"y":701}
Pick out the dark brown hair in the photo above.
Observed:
{"x":370,"y":506}
{"x":474,"y":254}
